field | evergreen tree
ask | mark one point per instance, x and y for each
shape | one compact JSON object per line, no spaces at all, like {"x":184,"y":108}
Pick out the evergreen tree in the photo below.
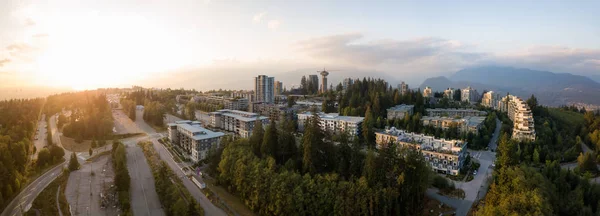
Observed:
{"x":269,"y":142}
{"x":73,"y":163}
{"x":367,"y":127}
{"x":256,"y":139}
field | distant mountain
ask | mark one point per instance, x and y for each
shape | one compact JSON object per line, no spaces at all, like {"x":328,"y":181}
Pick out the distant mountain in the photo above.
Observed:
{"x":552,"y":89}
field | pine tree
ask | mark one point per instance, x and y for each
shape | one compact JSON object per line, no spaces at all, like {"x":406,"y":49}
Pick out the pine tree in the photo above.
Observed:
{"x":73,"y":163}
{"x":269,"y":142}
{"x":367,"y":127}
{"x":256,"y":138}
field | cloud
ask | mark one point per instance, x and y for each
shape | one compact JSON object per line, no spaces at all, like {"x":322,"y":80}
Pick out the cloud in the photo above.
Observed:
{"x":258,"y":17}
{"x":18,"y":47}
{"x":274,"y":24}
{"x":4,"y":61}
{"x":554,"y":58}
{"x":40,"y":35}
{"x":29,"y":22}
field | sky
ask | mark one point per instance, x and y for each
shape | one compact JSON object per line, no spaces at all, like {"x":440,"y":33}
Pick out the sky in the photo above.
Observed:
{"x":207,"y":44}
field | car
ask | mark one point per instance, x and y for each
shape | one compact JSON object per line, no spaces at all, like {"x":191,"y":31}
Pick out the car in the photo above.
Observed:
{"x":493,"y":164}
{"x":475,"y":172}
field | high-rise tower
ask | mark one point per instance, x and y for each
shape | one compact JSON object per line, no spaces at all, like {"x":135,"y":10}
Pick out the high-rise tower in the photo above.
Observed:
{"x":324,"y":74}
{"x":264,"y":88}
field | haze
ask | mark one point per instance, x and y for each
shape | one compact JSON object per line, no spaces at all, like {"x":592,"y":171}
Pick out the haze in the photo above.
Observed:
{"x":223,"y":44}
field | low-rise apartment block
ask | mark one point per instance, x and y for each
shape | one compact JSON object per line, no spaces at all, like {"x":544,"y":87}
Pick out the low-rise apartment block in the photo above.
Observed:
{"x":455,"y":112}
{"x":400,"y":111}
{"x":444,"y":156}
{"x":333,"y":122}
{"x":274,"y":111}
{"x":239,"y":122}
{"x":467,"y":124}
{"x":227,"y":102}
{"x":192,"y":139}
{"x":518,"y":111}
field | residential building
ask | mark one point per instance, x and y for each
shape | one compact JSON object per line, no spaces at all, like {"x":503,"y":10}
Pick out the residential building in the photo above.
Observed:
{"x":400,"y":111}
{"x":518,"y":111}
{"x":455,"y":112}
{"x":347,"y":83}
{"x":469,"y":95}
{"x":467,"y":124}
{"x":227,"y":102}
{"x":239,"y":122}
{"x":313,"y":80}
{"x":427,"y":92}
{"x":264,"y":88}
{"x":444,"y":156}
{"x":192,"y":139}
{"x":274,"y":111}
{"x":333,"y":122}
{"x":449,"y":93}
{"x":243,"y":94}
{"x":278,"y":88}
{"x":490,"y":99}
{"x":403,"y":87}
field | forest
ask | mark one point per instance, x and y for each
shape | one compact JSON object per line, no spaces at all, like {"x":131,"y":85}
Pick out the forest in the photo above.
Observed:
{"x":318,"y":177}
{"x":529,"y":179}
{"x":91,"y":115}
{"x":156,"y":103}
{"x":18,"y":120}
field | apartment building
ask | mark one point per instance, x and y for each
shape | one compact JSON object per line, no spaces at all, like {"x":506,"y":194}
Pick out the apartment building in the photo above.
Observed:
{"x":490,"y":99}
{"x":449,"y":93}
{"x":444,"y":156}
{"x":403,"y":87}
{"x":239,"y":122}
{"x":333,"y":122}
{"x":264,"y":88}
{"x":192,"y":139}
{"x":243,"y":94}
{"x":518,"y":111}
{"x":469,"y":95}
{"x":427,"y":92}
{"x":274,"y":111}
{"x":467,"y":124}
{"x":278,"y":88}
{"x":227,"y":102}
{"x":347,"y":83}
{"x":314,"y":80}
{"x":455,"y":112}
{"x":400,"y":111}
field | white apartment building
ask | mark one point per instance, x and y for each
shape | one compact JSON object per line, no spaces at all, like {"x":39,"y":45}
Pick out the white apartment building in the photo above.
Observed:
{"x":333,"y":122}
{"x":449,"y":93}
{"x":264,"y":88}
{"x":444,"y":156}
{"x":490,"y":99}
{"x":469,"y":95}
{"x":239,"y":122}
{"x":399,"y":111}
{"x":518,"y":111}
{"x":192,"y":139}
{"x":427,"y":92}
{"x":455,"y":112}
{"x":467,"y":124}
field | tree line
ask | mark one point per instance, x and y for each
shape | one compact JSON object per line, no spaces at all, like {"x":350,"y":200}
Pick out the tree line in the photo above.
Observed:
{"x":319,"y":177}
{"x":122,"y":179}
{"x":91,"y":116}
{"x":175,"y":201}
{"x":17,"y":127}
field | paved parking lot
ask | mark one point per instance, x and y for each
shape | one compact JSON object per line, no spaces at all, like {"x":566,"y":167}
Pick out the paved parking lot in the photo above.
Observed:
{"x":81,"y":182}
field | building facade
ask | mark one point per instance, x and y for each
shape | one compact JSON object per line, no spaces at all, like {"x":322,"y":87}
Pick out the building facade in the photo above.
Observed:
{"x":278,"y":87}
{"x":333,"y":122}
{"x":518,"y":111}
{"x":243,"y":94}
{"x":444,"y":156}
{"x":403,"y":87}
{"x":455,"y":112}
{"x":192,"y":139}
{"x":347,"y":83}
{"x":490,"y":99}
{"x":468,"y":124}
{"x":264,"y":89}
{"x":314,"y":81}
{"x":274,"y":111}
{"x":427,"y":92}
{"x":400,"y":111}
{"x":227,"y":102}
{"x":239,"y":122}
{"x":469,"y":95}
{"x":449,"y":93}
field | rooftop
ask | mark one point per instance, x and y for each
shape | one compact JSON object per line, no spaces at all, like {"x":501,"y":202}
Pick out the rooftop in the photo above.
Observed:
{"x":336,"y":116}
{"x":427,"y":143}
{"x":402,"y":107}
{"x":200,"y":133}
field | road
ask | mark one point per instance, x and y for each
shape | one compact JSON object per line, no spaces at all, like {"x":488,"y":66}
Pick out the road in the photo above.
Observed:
{"x":209,"y":207}
{"x":28,"y":194}
{"x":144,"y":199}
{"x":40,"y":135}
{"x":477,"y":188}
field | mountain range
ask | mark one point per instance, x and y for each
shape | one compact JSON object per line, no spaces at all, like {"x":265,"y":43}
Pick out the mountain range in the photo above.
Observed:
{"x":551,"y":89}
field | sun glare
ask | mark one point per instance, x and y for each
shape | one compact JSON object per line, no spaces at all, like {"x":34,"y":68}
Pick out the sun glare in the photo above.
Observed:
{"x":93,"y":51}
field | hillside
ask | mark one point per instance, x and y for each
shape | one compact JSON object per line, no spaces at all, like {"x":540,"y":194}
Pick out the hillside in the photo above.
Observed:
{"x":553,"y":89}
